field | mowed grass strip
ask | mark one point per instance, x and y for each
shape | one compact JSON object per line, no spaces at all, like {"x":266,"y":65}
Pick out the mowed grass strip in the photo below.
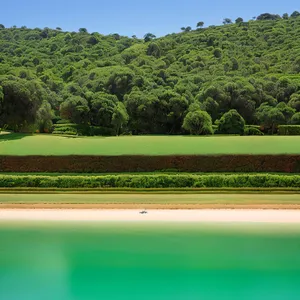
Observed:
{"x":19,"y":144}
{"x":226,"y":199}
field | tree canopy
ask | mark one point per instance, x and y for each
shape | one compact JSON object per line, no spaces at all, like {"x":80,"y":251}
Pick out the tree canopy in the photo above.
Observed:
{"x":149,"y":85}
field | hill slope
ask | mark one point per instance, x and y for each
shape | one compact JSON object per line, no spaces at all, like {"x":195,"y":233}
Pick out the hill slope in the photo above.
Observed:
{"x":111,"y":81}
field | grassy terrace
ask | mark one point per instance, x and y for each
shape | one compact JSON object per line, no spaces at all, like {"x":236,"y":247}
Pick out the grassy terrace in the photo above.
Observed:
{"x":223,"y":199}
{"x":19,"y":144}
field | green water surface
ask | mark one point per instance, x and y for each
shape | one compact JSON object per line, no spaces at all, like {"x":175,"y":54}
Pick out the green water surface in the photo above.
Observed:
{"x":145,"y":261}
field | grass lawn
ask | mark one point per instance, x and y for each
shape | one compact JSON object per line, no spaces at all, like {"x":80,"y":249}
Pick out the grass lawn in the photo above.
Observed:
{"x":150,"y":199}
{"x":19,"y":144}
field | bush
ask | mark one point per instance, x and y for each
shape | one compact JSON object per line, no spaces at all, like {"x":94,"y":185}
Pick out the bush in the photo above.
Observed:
{"x":289,"y":130}
{"x":198,"y":123}
{"x":231,"y":123}
{"x":66,"y":132}
{"x":295,"y":120}
{"x":102,"y":131}
{"x":151,"y":181}
{"x":63,"y":122}
{"x":65,"y":129}
{"x":252,"y":131}
{"x":252,"y":126}
{"x":215,"y":128}
{"x":82,"y":129}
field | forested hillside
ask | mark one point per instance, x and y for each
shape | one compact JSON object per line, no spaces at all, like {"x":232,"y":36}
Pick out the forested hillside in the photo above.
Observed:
{"x":118,"y":84}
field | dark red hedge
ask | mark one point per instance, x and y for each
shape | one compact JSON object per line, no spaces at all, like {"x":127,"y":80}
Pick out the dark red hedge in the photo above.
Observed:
{"x":185,"y":163}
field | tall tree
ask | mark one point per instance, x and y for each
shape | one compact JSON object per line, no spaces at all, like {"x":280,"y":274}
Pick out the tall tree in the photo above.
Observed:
{"x":44,"y":117}
{"x":200,"y":24}
{"x":285,"y":16}
{"x":18,"y":104}
{"x":120,"y":117}
{"x":227,"y":21}
{"x":102,"y":108}
{"x":239,"y":20}
{"x":270,"y":117}
{"x":82,"y":30}
{"x":148,"y":37}
{"x":295,"y":14}
{"x":75,"y":109}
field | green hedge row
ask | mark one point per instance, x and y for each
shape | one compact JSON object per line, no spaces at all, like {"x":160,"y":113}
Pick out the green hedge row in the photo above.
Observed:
{"x":65,"y":129}
{"x":74,"y":129}
{"x":152,"y":181}
{"x":252,"y":130}
{"x":289,"y":130}
{"x":138,"y":163}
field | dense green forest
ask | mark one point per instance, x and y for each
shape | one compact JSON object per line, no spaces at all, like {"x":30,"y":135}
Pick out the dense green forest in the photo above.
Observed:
{"x":227,"y":76}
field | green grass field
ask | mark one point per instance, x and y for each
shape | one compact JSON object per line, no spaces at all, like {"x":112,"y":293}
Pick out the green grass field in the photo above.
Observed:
{"x":150,"y":199}
{"x":19,"y":144}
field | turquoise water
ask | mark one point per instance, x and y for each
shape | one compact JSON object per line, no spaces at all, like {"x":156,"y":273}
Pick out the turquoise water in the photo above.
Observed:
{"x":140,"y":261}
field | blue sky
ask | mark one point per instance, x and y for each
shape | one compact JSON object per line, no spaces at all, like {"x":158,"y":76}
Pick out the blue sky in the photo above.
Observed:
{"x":134,"y":17}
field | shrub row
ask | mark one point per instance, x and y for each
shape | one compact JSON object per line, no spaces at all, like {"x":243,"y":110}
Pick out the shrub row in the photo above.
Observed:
{"x":152,"y":181}
{"x":289,"y":130}
{"x":252,"y":130}
{"x":133,"y":163}
{"x":74,"y":129}
{"x":65,"y":129}
{"x":62,"y":121}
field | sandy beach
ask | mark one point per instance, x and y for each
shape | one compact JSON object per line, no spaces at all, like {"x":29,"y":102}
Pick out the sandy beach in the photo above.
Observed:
{"x":242,"y":216}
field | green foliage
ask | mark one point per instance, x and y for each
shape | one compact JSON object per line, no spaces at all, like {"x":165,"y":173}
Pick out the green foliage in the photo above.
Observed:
{"x":218,"y":53}
{"x":75,"y":129}
{"x":148,"y":37}
{"x":152,"y":181}
{"x":231,"y":123}
{"x":19,"y":103}
{"x":251,"y":130}
{"x":239,"y":20}
{"x":286,"y":110}
{"x":245,"y":66}
{"x":82,"y":30}
{"x":62,"y":121}
{"x":270,"y":117}
{"x":198,"y":123}
{"x":154,"y":50}
{"x":44,"y":117}
{"x":267,"y":16}
{"x":65,"y":131}
{"x":120,"y":117}
{"x":102,"y":109}
{"x":200,"y":24}
{"x":295,"y":119}
{"x":102,"y":131}
{"x":75,"y":109}
{"x":285,"y":16}
{"x":295,"y":102}
{"x":295,"y":14}
{"x":289,"y":130}
{"x":227,"y":21}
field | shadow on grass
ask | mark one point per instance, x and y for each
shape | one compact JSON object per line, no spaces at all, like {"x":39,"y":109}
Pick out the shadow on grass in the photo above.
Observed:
{"x":13,"y":136}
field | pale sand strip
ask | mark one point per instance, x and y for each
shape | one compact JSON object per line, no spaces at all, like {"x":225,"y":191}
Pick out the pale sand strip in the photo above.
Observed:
{"x":248,"y":216}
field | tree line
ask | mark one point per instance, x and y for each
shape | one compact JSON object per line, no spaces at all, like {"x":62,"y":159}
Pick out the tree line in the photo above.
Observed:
{"x":190,"y":82}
